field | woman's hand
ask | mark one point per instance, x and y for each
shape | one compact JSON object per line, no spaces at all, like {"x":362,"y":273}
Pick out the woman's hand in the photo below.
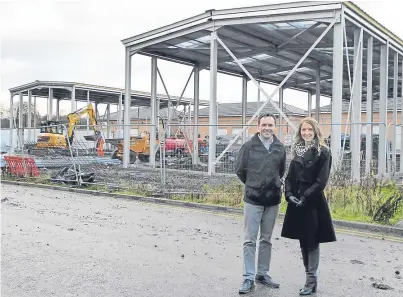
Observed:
{"x":293,"y":199}
{"x":301,"y":202}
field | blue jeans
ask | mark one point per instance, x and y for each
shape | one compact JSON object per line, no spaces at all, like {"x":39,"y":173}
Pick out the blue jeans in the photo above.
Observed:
{"x":258,"y":217}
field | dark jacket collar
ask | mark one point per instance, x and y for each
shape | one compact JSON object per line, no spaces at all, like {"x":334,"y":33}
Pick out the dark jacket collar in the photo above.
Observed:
{"x":311,"y":153}
{"x":257,"y":142}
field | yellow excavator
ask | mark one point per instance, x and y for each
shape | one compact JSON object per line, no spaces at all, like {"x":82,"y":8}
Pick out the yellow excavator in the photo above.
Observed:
{"x":139,"y":147}
{"x":52,"y":136}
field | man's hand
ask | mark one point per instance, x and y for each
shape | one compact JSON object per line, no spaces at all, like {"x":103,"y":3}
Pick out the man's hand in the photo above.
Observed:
{"x":293,"y":200}
{"x":301,"y":202}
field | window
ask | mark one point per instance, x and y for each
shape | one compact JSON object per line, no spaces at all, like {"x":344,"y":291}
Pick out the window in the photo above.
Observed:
{"x":52,"y":129}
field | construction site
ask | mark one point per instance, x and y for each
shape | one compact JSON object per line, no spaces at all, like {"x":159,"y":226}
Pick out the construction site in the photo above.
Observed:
{"x":166,"y":145}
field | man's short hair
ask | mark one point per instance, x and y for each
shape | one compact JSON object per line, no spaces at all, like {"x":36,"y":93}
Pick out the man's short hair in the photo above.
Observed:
{"x":266,"y":114}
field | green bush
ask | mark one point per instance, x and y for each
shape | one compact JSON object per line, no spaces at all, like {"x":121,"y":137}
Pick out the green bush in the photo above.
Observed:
{"x":371,"y":200}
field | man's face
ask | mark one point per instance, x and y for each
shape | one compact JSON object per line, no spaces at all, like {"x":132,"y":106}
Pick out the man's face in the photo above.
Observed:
{"x":266,"y":127}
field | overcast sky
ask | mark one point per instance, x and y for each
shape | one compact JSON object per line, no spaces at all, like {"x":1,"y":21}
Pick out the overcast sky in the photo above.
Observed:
{"x":81,"y":41}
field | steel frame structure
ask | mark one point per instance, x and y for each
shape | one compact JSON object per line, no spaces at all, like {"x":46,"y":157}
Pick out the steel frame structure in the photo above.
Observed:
{"x":73,"y":91}
{"x":303,"y":46}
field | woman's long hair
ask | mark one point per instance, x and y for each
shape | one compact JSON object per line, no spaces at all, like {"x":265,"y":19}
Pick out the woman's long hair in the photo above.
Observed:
{"x":320,"y":142}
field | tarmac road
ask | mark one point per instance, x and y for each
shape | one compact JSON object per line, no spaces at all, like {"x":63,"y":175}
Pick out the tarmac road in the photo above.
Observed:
{"x":65,"y":244}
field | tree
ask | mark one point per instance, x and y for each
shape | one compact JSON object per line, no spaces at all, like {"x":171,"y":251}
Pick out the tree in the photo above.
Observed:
{"x":5,"y":115}
{"x":4,"y":112}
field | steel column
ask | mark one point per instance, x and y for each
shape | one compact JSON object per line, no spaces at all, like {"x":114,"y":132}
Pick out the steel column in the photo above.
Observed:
{"x":119,"y":119}
{"x":88,"y":120}
{"x":395,"y":86}
{"x":258,"y":95}
{"x":11,"y":120}
{"x":138,"y":121}
{"x":21,"y":122}
{"x":50,"y":104}
{"x":196,"y":77}
{"x":355,"y":139}
{"x":154,"y":119}
{"x":126,"y":128}
{"x":401,"y":122}
{"x":383,"y":95}
{"x":108,"y":122}
{"x":337,"y":91}
{"x":157,"y":112}
{"x":73,"y":100}
{"x":96,"y":110}
{"x":169,"y":116}
{"x":57,"y":109}
{"x":368,"y":126}
{"x":213,"y":103}
{"x":317,"y":105}
{"x":309,"y":103}
{"x":280,"y":118}
{"x":29,"y":116}
{"x":189,"y":129}
{"x":183,"y":122}
{"x":35,"y":120}
{"x":244,"y":105}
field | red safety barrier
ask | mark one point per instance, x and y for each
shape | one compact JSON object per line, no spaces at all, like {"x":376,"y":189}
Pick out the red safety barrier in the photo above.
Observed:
{"x":21,"y":165}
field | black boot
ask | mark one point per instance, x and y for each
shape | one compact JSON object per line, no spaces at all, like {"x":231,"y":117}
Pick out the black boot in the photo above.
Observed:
{"x":267,"y":281}
{"x":246,"y":286}
{"x":311,"y":283}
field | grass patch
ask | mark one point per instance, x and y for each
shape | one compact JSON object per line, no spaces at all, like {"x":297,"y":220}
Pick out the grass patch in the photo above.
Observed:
{"x":136,"y":190}
{"x":371,"y":201}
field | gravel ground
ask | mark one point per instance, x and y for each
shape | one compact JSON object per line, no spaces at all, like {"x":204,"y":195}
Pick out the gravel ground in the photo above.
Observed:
{"x":66,"y":244}
{"x":139,"y":174}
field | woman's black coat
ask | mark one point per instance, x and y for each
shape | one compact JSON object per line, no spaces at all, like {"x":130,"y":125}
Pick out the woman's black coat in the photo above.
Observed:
{"x":308,"y":176}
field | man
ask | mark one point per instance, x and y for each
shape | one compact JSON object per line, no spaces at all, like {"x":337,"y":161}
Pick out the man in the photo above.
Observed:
{"x":260,"y":165}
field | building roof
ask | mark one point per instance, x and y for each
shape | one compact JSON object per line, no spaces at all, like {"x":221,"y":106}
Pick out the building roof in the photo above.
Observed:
{"x":235,"y":109}
{"x":99,"y":94}
{"x":269,"y":40}
{"x":345,"y":106}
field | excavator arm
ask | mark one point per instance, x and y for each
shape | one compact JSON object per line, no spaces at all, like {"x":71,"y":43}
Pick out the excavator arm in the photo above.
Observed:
{"x":74,"y":118}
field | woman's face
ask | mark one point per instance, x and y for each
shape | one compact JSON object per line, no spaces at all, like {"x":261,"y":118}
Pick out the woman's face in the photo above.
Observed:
{"x":307,"y":132}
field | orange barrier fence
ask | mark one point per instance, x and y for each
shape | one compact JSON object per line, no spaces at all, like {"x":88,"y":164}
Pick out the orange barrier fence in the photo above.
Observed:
{"x":21,"y":165}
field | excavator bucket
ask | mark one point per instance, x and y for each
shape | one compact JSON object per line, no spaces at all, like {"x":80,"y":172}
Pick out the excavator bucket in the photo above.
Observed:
{"x":113,"y":141}
{"x":90,"y":137}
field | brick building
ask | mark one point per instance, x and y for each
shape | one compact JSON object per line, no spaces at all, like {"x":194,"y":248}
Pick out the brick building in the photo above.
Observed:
{"x":229,"y":119}
{"x":326,"y":115}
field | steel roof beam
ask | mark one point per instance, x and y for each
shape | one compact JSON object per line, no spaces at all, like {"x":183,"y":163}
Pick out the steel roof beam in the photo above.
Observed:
{"x":306,"y":65}
{"x":297,"y":35}
{"x":258,"y":61}
{"x":323,"y":16}
{"x":275,"y":53}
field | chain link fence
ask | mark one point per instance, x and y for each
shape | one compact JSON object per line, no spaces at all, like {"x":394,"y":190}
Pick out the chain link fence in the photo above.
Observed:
{"x":177,"y":171}
{"x":59,"y":158}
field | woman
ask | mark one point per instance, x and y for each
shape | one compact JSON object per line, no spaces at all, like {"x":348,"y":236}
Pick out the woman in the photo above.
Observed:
{"x":308,"y":217}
